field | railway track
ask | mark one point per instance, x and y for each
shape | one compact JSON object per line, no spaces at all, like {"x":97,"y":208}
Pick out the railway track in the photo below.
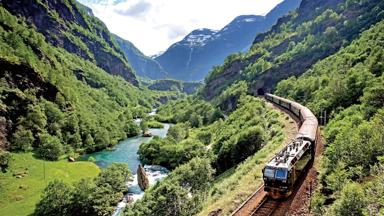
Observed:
{"x":266,"y":208}
{"x":265,"y":205}
{"x":260,"y":204}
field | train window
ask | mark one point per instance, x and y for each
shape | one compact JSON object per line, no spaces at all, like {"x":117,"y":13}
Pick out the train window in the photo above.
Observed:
{"x":281,"y":174}
{"x":269,"y":173}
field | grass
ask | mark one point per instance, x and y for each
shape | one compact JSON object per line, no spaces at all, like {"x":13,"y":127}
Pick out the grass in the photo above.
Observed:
{"x":235,"y":185}
{"x":20,"y":195}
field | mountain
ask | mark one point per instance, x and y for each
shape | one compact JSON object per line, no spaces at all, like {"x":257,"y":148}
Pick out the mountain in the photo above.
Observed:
{"x":71,"y":26}
{"x":143,"y":65}
{"x":175,"y":85}
{"x":61,"y":81}
{"x":296,"y":42}
{"x":199,"y":51}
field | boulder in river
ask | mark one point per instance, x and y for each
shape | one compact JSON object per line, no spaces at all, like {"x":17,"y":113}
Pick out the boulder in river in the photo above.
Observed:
{"x":147,"y":134}
{"x":142,"y":178}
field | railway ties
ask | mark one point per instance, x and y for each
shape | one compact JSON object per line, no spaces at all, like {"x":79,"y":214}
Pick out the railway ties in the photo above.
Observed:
{"x":266,"y":208}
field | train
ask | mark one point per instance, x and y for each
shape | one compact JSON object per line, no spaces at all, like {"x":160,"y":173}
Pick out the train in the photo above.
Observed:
{"x":283,"y":172}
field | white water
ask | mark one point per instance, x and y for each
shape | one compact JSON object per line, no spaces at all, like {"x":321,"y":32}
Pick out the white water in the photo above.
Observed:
{"x":154,"y":173}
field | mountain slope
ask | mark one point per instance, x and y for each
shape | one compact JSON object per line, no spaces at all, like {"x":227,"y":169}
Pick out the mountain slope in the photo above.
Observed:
{"x":143,"y":65}
{"x":194,"y":56}
{"x":295,"y":43}
{"x":52,"y":100}
{"x":69,"y":25}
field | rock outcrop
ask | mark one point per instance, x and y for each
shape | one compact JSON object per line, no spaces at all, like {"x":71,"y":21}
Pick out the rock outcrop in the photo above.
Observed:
{"x":142,"y":178}
{"x":147,"y":134}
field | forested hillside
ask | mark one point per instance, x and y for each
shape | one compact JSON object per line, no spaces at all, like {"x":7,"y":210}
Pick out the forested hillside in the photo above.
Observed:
{"x":58,"y":100}
{"x":349,"y":87}
{"x":316,"y":30}
{"x":53,"y":100}
{"x":66,"y":89}
{"x":69,"y":25}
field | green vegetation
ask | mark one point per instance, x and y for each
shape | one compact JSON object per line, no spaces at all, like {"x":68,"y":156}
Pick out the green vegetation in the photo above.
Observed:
{"x":349,"y":86}
{"x":222,"y":145}
{"x":228,"y":99}
{"x":229,"y":142}
{"x":23,"y":184}
{"x":192,"y":109}
{"x":174,"y":85}
{"x":64,"y":104}
{"x":302,"y":38}
{"x":173,"y":150}
{"x":235,"y":185}
{"x":5,"y":158}
{"x":55,"y":104}
{"x":180,"y":194}
{"x":87,"y":197}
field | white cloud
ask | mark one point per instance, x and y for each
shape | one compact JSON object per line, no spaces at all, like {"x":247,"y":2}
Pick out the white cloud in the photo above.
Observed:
{"x":153,"y":25}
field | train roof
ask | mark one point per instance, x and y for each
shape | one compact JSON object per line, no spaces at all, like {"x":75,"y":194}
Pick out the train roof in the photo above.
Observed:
{"x":308,"y":130}
{"x":288,"y":156}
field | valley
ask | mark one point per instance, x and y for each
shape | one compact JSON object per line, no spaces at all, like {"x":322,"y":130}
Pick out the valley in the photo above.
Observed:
{"x":90,"y":125}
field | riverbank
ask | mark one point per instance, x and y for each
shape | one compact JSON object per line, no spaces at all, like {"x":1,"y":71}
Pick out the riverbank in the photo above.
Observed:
{"x":22,"y":186}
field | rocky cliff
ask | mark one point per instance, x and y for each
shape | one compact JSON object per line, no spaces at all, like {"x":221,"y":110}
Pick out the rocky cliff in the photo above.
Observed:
{"x":71,"y":26}
{"x":143,"y":65}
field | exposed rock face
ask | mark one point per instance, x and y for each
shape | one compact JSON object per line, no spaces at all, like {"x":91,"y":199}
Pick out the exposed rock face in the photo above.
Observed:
{"x":143,"y":65}
{"x":142,"y":178}
{"x":73,"y":24}
{"x":232,"y":72}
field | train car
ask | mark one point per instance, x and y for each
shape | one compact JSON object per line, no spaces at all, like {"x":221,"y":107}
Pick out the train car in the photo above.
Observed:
{"x":283,"y":171}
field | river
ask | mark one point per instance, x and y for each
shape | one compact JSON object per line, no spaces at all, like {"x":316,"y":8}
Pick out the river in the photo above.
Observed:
{"x":126,"y":151}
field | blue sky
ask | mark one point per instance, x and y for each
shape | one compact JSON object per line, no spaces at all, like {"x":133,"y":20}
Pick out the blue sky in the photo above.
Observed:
{"x":153,"y":25}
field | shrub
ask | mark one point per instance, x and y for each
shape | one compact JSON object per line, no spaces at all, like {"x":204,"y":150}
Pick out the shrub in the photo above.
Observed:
{"x":50,"y":147}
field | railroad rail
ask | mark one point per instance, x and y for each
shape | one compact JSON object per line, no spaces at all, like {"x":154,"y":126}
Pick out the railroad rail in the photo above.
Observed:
{"x":247,"y":206}
{"x":266,"y":208}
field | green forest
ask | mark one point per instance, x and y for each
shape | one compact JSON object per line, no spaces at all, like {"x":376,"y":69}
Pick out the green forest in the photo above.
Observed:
{"x":56,"y":105}
{"x":66,"y":89}
{"x":200,"y":153}
{"x":349,"y":87}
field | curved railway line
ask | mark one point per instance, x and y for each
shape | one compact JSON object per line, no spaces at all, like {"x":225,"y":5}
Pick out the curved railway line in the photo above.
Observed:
{"x":259,"y":203}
